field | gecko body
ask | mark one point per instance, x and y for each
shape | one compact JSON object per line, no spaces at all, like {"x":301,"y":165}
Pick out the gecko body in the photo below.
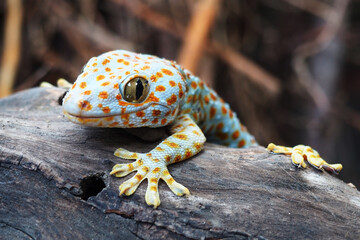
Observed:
{"x":123,"y":89}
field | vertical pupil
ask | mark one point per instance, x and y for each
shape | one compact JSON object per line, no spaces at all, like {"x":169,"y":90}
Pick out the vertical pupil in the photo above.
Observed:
{"x":139,"y":88}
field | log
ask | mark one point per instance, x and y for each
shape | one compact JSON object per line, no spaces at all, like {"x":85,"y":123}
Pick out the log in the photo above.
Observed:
{"x":55,"y":184}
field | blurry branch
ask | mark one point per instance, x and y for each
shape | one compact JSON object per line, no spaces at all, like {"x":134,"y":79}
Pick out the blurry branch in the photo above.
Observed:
{"x":311,"y":48}
{"x":88,"y":31}
{"x":315,"y":7}
{"x":197,"y":33}
{"x":348,"y":115}
{"x":12,"y":46}
{"x":248,"y":68}
{"x":164,"y":23}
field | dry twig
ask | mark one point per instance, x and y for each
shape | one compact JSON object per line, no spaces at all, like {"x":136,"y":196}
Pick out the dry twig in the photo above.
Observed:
{"x":12,"y":46}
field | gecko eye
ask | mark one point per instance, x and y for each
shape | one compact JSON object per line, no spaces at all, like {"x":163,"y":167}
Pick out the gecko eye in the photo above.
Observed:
{"x":136,"y":90}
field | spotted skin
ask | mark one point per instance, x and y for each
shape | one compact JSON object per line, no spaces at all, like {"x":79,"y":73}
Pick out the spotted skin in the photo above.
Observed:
{"x":123,"y":89}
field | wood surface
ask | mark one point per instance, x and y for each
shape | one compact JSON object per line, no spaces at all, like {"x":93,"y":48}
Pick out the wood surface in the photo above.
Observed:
{"x":55,"y":184}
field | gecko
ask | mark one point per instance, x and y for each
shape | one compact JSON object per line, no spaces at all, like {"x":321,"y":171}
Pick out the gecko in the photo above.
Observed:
{"x":123,"y":89}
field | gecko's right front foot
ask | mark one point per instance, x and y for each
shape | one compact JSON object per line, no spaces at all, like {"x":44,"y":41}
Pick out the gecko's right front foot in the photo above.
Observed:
{"x":148,"y":167}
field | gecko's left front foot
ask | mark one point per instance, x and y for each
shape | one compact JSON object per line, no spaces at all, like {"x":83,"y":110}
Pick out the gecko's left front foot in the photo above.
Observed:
{"x":148,"y":167}
{"x":300,"y":153}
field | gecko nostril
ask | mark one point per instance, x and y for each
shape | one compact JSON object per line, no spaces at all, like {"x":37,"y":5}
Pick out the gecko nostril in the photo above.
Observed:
{"x":61,"y":98}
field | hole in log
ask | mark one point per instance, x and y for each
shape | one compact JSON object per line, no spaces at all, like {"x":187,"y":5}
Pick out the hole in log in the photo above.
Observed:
{"x":91,"y":186}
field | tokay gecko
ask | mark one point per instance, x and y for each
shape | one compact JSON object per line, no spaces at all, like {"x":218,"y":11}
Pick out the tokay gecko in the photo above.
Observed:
{"x":122,"y":89}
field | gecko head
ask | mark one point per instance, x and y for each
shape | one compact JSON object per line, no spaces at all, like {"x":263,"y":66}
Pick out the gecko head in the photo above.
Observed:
{"x":126,"y":90}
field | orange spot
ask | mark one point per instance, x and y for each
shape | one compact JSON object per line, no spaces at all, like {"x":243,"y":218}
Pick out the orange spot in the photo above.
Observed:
{"x":85,"y":105}
{"x":163,"y":121}
{"x":109,"y":119}
{"x":220,"y":126}
{"x":177,"y":158}
{"x":201,"y":84}
{"x":171,"y":100}
{"x":167,"y":158}
{"x":224,"y":110}
{"x":170,"y":181}
{"x":125,"y":117}
{"x":140,"y":114}
{"x":159,"y":149}
{"x":145,"y":67}
{"x":156,"y":170}
{"x":213,"y":97}
{"x":118,"y":97}
{"x":100,"y":105}
{"x":153,"y":180}
{"x":155,"y":121}
{"x":172,"y":83}
{"x":106,"y":109}
{"x":181,"y":92}
{"x":100,"y":124}
{"x":94,"y":64}
{"x":127,"y":72}
{"x":100,"y":77}
{"x":103,"y":95}
{"x":212,"y":112}
{"x":95,"y":70}
{"x":180,"y":136}
{"x":73,"y":86}
{"x":235,"y":135}
{"x":116,"y":86}
{"x":188,"y":153}
{"x":106,"y":61}
{"x":153,"y":188}
{"x":144,"y":121}
{"x":84,"y":74}
{"x":241,"y":143}
{"x":189,"y":99}
{"x":160,"y":88}
{"x":156,"y":112}
{"x":120,"y":60}
{"x":105,"y":84}
{"x":159,"y":75}
{"x":206,"y":99}
{"x":151,"y":98}
{"x":138,"y":177}
{"x":198,"y":146}
{"x":193,"y":85}
{"x":231,"y":114}
{"x":87,"y":92}
{"x":126,"y":63}
{"x":195,"y":132}
{"x":114,"y":124}
{"x":171,"y":144}
{"x":167,"y":72}
{"x":126,"y":55}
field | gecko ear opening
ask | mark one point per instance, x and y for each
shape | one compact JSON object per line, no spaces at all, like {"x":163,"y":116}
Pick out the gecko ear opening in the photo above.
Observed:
{"x":136,"y":90}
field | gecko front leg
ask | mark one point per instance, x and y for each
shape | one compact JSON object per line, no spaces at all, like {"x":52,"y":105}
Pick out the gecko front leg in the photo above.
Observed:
{"x":186,"y":140}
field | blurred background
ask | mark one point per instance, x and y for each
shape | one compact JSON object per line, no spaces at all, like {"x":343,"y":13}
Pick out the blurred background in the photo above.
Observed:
{"x":289,"y":68}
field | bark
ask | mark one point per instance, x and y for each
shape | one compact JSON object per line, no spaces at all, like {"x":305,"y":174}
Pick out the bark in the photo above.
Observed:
{"x":55,"y":184}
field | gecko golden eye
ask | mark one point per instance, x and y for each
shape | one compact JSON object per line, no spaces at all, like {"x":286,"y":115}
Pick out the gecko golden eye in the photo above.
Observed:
{"x":136,"y":90}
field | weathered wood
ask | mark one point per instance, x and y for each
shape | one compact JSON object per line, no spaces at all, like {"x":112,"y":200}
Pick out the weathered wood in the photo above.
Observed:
{"x":50,"y":169}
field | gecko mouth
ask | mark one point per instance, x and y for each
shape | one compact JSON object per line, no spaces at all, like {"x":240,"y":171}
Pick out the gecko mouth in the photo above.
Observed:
{"x":81,"y":117}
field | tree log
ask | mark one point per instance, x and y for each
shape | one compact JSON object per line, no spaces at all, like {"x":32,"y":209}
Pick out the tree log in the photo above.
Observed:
{"x":55,"y":184}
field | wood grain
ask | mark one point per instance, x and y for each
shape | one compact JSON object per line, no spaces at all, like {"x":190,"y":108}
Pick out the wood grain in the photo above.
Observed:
{"x":49,"y":166}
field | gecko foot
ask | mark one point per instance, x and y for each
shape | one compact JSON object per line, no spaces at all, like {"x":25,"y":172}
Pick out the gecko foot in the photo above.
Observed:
{"x":148,"y":167}
{"x":300,"y":154}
